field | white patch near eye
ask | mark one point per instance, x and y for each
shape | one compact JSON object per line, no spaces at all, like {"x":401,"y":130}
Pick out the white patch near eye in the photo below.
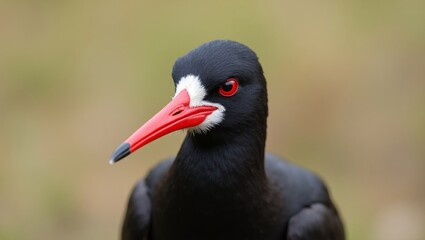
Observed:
{"x":197,"y":94}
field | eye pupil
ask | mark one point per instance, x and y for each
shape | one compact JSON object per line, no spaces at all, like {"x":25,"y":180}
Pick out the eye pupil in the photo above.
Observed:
{"x":229,"y":88}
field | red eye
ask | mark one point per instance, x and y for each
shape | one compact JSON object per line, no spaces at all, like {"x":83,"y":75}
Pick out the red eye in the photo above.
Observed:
{"x":229,"y":88}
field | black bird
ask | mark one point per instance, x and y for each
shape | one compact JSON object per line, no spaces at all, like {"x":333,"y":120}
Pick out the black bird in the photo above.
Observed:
{"x":222,"y":185}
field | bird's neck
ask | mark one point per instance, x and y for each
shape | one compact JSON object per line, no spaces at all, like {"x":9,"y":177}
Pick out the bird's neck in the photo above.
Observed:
{"x":228,"y":161}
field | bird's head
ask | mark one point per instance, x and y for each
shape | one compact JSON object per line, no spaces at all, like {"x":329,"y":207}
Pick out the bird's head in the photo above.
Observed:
{"x":220,"y":92}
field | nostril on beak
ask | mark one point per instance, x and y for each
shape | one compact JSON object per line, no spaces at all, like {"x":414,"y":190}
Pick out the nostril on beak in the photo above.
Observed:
{"x":177,"y":111}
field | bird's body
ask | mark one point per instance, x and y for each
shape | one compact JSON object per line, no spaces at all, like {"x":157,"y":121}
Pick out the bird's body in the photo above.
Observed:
{"x":222,"y":185}
{"x":222,"y":210}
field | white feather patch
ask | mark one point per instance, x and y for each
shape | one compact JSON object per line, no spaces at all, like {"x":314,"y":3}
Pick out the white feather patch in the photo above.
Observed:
{"x":197,"y":94}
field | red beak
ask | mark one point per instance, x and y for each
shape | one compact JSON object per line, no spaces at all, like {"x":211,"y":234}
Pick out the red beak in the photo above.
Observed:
{"x":174,"y":116}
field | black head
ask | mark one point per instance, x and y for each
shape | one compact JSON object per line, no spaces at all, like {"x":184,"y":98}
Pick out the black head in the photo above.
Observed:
{"x":220,"y":95}
{"x":213,"y":63}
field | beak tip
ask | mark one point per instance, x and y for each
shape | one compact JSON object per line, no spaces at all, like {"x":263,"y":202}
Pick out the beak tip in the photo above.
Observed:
{"x":121,"y":152}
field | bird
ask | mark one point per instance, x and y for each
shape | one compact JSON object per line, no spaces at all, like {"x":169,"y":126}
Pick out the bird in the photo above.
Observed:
{"x":222,"y":184}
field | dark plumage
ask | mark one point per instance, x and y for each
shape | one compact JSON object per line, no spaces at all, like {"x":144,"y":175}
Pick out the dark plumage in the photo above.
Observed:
{"x":222,"y":185}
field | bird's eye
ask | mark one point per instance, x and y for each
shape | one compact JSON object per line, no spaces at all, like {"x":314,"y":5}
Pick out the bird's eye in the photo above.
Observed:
{"x":229,"y":88}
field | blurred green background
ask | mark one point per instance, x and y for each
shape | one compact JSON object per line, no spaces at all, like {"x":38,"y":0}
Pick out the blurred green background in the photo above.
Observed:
{"x":346,"y":89}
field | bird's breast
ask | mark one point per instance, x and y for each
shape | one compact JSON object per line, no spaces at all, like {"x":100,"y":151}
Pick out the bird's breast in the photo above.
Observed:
{"x":214,"y":208}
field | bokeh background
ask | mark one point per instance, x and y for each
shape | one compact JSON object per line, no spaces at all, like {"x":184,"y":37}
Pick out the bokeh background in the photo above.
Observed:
{"x":346,"y":88}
